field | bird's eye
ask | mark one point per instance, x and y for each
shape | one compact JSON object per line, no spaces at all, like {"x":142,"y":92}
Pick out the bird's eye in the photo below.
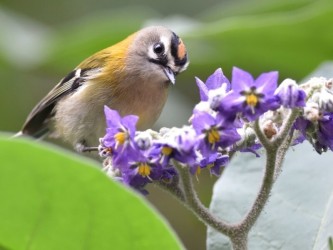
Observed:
{"x":159,"y":48}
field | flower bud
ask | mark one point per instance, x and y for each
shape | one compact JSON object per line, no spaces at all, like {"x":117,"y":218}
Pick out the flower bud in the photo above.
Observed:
{"x":269,"y":129}
{"x":290,"y":94}
{"x":143,"y":140}
{"x":324,"y":97}
{"x":311,"y":112}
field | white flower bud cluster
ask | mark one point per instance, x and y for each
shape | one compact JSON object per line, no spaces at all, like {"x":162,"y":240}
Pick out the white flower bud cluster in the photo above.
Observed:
{"x":320,"y":97}
{"x":143,"y":139}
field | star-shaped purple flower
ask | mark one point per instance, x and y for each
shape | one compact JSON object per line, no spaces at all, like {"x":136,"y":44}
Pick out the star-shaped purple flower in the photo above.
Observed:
{"x":119,"y":135}
{"x":249,"y":96}
{"x":180,"y":144}
{"x":214,"y":162}
{"x":213,"y":132}
{"x":213,"y":82}
{"x":215,"y":88}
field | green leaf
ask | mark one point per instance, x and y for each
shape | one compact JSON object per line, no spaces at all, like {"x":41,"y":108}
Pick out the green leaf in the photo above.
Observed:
{"x":299,"y":214}
{"x":330,"y":243}
{"x":51,"y":199}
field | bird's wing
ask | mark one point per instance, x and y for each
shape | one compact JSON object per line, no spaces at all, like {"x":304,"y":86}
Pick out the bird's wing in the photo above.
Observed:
{"x":36,"y":124}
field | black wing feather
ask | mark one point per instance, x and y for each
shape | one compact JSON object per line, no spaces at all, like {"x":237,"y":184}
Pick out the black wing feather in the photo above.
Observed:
{"x":36,"y":124}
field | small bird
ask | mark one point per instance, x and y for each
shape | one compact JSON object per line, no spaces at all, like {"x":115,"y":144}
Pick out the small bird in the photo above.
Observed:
{"x":131,"y":77}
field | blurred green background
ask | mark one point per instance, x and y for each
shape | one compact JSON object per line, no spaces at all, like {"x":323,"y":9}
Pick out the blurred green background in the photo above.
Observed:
{"x":42,"y":41}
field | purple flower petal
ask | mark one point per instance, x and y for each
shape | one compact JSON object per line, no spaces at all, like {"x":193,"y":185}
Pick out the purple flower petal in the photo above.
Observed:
{"x":112,"y":117}
{"x":267,"y":82}
{"x":202,"y":121}
{"x":215,"y":80}
{"x":203,"y":90}
{"x":290,"y":95}
{"x":241,"y":80}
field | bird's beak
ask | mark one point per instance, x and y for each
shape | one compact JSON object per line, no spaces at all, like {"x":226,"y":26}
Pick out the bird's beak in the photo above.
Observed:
{"x":169,"y":73}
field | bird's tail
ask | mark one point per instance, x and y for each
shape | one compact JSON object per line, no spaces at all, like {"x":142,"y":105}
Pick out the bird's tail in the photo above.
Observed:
{"x":18,"y":134}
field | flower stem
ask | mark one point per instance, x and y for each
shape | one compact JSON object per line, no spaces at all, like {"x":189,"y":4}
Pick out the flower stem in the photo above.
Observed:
{"x":261,"y":136}
{"x":285,"y":130}
{"x":267,"y":183}
{"x":264,"y":192}
{"x":173,"y":189}
{"x":281,"y":155}
{"x":275,"y":153}
{"x":239,"y":242}
{"x":238,"y":233}
{"x":194,"y":204}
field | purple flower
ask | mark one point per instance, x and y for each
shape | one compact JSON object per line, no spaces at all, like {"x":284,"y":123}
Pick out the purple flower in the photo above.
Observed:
{"x":319,"y":134}
{"x":214,"y":162}
{"x":301,"y":125}
{"x":290,"y":94}
{"x":214,"y":81}
{"x":252,"y":149}
{"x":325,"y":133}
{"x":251,"y":97}
{"x":119,"y":136}
{"x":179,"y":144}
{"x":119,"y":130}
{"x":143,"y":168}
{"x":213,"y":132}
{"x":215,"y":88}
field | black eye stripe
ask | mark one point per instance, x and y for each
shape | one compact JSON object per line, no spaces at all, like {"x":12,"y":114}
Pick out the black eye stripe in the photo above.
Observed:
{"x":161,"y":60}
{"x":174,"y":45}
{"x":175,"y":41}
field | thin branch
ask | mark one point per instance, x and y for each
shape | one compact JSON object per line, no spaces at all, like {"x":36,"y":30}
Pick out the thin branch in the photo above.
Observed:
{"x":195,"y":205}
{"x":285,"y":129}
{"x":238,"y":233}
{"x":281,"y":156}
{"x":172,"y":188}
{"x":89,"y":149}
{"x":261,"y":136}
{"x":275,"y":153}
{"x":264,"y":192}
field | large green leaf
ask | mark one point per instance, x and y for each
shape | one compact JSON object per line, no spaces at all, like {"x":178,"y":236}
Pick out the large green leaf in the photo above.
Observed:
{"x":52,"y":200}
{"x":299,"y":214}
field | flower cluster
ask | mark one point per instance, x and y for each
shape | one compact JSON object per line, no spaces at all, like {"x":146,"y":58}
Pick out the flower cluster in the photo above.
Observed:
{"x":221,"y":124}
{"x":316,"y":123}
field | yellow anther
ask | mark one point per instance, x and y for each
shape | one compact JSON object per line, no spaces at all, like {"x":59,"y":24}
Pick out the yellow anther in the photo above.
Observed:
{"x":198,"y":171}
{"x":144,"y":169}
{"x":166,"y":151}
{"x":213,"y":136}
{"x":251,"y":99}
{"x":120,"y":137}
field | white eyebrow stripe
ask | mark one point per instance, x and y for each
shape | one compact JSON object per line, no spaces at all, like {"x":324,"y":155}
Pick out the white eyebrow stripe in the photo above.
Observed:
{"x":167,"y":44}
{"x":166,"y":41}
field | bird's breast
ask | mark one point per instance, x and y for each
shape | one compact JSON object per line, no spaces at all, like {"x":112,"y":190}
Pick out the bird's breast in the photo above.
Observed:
{"x":80,"y":118}
{"x":143,"y":98}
